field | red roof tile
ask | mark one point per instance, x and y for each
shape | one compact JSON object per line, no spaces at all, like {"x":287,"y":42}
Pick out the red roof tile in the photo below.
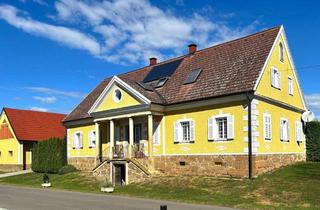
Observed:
{"x":35,"y":126}
{"x":228,"y":68}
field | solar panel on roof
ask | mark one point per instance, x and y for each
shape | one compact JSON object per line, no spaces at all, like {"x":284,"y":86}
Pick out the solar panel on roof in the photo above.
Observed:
{"x":193,"y":76}
{"x":164,"y":70}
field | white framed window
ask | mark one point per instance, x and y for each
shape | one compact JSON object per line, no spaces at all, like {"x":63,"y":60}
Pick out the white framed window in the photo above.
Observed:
{"x":184,"y":131}
{"x":156,"y":133}
{"x":281,"y":52}
{"x":290,"y":86}
{"x":299,"y":131}
{"x":92,"y":139}
{"x":284,"y":129}
{"x":275,"y":78}
{"x":77,"y":140}
{"x":267,"y":125}
{"x":117,"y":95}
{"x":221,"y":127}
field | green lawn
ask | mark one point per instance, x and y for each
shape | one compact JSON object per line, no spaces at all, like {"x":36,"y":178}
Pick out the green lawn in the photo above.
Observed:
{"x":293,"y":187}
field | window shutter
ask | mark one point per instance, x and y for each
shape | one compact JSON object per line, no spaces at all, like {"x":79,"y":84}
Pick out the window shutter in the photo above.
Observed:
{"x":298,"y":133}
{"x":265,"y":125}
{"x":210,"y":128}
{"x":192,"y":130}
{"x":176,"y":131}
{"x":156,"y":133}
{"x":74,"y":141}
{"x":273,"y":77}
{"x":281,"y":130}
{"x":288,"y":131}
{"x":80,"y":141}
{"x":279,"y":79}
{"x":230,"y":127}
{"x":270,"y":127}
{"x":90,"y":139}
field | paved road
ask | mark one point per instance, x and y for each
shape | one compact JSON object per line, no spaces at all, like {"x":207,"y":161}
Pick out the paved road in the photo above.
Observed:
{"x":16,"y":198}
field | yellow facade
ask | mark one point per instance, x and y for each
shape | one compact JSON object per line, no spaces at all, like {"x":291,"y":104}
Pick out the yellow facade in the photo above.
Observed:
{"x":200,"y":116}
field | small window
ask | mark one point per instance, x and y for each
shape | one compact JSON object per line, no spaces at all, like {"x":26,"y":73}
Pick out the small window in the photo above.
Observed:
{"x":221,"y":127}
{"x":117,"y":95}
{"x":275,"y":78}
{"x":267,"y":126}
{"x":10,"y":153}
{"x":92,"y":139}
{"x":284,"y":130}
{"x":77,"y":140}
{"x":290,"y":86}
{"x":161,"y":82}
{"x":184,"y":131}
{"x":193,"y":76}
{"x":281,"y":52}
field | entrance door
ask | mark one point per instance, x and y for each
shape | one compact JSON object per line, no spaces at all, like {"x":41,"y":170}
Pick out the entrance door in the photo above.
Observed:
{"x":119,"y":174}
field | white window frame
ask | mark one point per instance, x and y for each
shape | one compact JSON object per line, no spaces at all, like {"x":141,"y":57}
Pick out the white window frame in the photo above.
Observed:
{"x":79,"y":143}
{"x":299,"y":131}
{"x":213,"y":129}
{"x":281,"y":52}
{"x":156,"y":133}
{"x":91,"y":140}
{"x":273,"y":78}
{"x":282,"y":138}
{"x":267,"y":131}
{"x":290,"y":86}
{"x":178,"y":131}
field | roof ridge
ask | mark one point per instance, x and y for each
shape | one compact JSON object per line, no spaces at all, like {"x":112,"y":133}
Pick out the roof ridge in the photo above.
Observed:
{"x":28,"y":110}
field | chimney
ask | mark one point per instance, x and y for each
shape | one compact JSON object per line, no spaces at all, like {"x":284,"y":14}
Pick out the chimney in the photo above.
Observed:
{"x":192,"y":48}
{"x":153,"y":61}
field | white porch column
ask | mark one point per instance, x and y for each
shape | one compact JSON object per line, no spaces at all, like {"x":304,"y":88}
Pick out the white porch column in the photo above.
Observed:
{"x":150,"y":135}
{"x":98,"y":152}
{"x":111,"y":144}
{"x":131,"y":136}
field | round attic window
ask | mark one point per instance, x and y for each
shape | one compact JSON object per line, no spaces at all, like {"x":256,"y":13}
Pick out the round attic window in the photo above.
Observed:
{"x":117,"y":95}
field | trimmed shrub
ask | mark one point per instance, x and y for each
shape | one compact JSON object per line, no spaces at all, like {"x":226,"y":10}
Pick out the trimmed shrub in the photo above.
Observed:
{"x":49,"y":156}
{"x":313,"y":141}
{"x":66,"y":169}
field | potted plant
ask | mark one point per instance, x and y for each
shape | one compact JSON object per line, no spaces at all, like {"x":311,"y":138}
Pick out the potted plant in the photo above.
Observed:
{"x":46,"y":181}
{"x":106,"y":187}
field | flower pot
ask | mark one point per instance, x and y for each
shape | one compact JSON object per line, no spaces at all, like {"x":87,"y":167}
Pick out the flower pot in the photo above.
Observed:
{"x":46,"y":185}
{"x":107,"y":189}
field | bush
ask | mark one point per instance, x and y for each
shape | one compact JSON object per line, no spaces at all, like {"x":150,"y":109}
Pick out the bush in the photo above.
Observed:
{"x":313,"y":141}
{"x":49,"y":156}
{"x":66,"y":169}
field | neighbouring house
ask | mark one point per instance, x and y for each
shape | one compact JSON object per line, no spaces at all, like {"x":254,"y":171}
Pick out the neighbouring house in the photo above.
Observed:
{"x":233,"y":109}
{"x":19,"y":130}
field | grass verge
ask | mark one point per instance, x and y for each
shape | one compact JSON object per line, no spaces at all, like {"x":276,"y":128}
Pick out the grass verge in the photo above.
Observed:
{"x":292,"y":187}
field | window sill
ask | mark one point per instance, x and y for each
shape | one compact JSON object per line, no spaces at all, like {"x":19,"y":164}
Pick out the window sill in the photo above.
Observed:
{"x":92,"y":147}
{"x":219,"y":140}
{"x":267,"y":139}
{"x":278,"y":88}
{"x":77,"y":148}
{"x":290,"y":94}
{"x":190,"y":142}
{"x":285,"y":141}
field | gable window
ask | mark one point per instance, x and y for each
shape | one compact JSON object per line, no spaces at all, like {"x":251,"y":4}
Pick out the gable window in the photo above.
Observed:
{"x":284,"y":130}
{"x":290,"y":85}
{"x":10,"y":153}
{"x":184,"y":131}
{"x":156,"y":133}
{"x":221,"y":127}
{"x":281,"y":51}
{"x":77,"y":140}
{"x":299,"y":131}
{"x":275,"y":78}
{"x":92,"y":139}
{"x":267,"y":126}
{"x":117,"y":95}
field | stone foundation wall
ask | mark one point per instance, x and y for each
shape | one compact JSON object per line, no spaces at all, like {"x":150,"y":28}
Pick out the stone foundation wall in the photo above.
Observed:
{"x":82,"y":163}
{"x":265,"y":163}
{"x":135,"y":174}
{"x":11,"y":167}
{"x":102,"y":173}
{"x":222,"y":165}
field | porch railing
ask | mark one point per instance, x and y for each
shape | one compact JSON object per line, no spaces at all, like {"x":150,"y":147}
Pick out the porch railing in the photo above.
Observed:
{"x":138,"y":151}
{"x":120,"y":151}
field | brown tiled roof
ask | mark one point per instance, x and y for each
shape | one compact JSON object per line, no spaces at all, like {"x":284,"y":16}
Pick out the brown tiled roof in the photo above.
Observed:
{"x":228,"y":68}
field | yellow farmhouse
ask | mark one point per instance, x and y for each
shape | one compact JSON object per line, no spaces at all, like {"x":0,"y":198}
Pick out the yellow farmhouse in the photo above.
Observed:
{"x":19,"y":130}
{"x":233,"y":109}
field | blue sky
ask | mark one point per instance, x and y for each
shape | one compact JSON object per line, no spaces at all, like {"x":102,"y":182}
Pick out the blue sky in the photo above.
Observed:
{"x":53,"y":53}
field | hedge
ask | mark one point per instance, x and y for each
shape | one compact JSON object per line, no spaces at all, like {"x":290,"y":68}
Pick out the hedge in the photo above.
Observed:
{"x":313,"y":141}
{"x":49,"y":156}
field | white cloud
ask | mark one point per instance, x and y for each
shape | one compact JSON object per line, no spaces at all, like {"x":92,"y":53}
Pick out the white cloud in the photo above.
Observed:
{"x":66,"y":36}
{"x":46,"y":100}
{"x":40,"y":109}
{"x":126,"y":31}
{"x":313,"y":102}
{"x":51,"y":91}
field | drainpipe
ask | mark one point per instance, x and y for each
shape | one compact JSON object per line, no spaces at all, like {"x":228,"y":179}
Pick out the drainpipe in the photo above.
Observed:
{"x":249,"y":97}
